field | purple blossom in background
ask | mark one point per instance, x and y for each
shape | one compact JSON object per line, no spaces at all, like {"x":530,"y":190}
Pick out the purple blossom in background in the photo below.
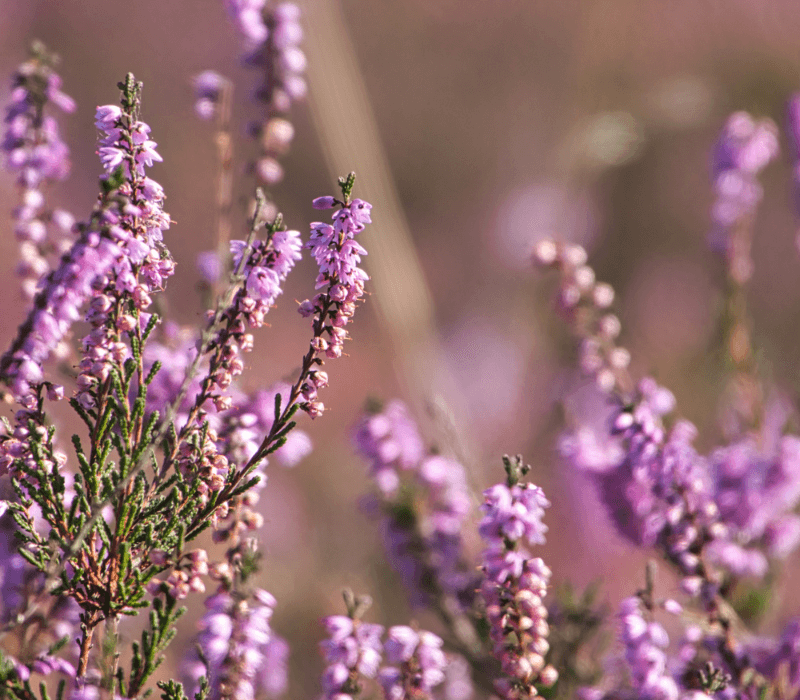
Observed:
{"x":418,"y":664}
{"x":757,"y":489}
{"x":425,"y":549}
{"x":244,"y":657}
{"x":352,"y":651}
{"x":208,"y":89}
{"x":645,"y":645}
{"x":37,"y":155}
{"x":744,"y":148}
{"x":272,"y":35}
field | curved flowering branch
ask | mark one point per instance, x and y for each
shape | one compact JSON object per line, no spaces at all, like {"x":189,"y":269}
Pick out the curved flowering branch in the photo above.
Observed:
{"x":338,"y":256}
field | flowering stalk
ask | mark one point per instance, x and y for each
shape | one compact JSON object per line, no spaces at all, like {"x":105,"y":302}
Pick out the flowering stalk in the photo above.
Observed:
{"x":515,"y":583}
{"x":352,"y":651}
{"x":418,"y":664}
{"x":111,"y":536}
{"x":272,"y":35}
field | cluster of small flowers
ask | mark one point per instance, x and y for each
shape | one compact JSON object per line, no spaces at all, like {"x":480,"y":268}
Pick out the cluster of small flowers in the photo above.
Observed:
{"x":584,"y":302}
{"x":338,"y":256}
{"x":425,"y":550}
{"x":142,"y":263}
{"x":757,"y":489}
{"x":36,"y":152}
{"x":419,"y":664}
{"x":645,"y":644}
{"x":700,"y":666}
{"x":266,"y":267}
{"x":515,"y":583}
{"x":241,"y":656}
{"x":662,"y":491}
{"x":744,"y":148}
{"x":251,"y":417}
{"x":199,"y":457}
{"x":272,"y":37}
{"x":352,"y":650}
{"x":186,"y":575}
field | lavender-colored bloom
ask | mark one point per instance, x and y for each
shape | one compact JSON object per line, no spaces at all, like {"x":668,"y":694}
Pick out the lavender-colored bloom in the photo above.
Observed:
{"x":266,"y":269}
{"x":247,"y":15}
{"x":418,"y":664}
{"x":337,"y":255}
{"x":426,"y":550}
{"x":352,"y":650}
{"x":36,"y":153}
{"x":99,"y":266}
{"x":757,"y":488}
{"x":743,"y":149}
{"x":239,"y":647}
{"x":645,"y":644}
{"x":208,"y":88}
{"x":515,"y":584}
{"x":272,"y":34}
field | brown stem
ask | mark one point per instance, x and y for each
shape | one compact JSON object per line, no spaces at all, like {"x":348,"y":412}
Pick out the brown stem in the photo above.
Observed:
{"x":87,"y":631}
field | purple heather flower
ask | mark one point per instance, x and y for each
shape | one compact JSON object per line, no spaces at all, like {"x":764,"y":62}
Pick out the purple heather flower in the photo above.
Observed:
{"x":418,"y":664}
{"x":428,"y":551}
{"x":757,"y":488}
{"x":36,"y":153}
{"x":353,"y":648}
{"x":208,"y":88}
{"x":243,"y":654}
{"x":743,"y":149}
{"x":645,"y":644}
{"x":272,"y":34}
{"x":515,"y":584}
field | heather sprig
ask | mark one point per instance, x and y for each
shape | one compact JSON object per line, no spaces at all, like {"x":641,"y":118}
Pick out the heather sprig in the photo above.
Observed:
{"x":515,"y":583}
{"x":744,"y":148}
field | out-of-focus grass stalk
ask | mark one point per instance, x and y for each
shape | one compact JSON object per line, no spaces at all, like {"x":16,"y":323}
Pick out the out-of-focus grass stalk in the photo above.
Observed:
{"x":348,"y":133}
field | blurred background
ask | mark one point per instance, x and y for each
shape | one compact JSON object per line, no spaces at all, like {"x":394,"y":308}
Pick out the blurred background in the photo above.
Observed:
{"x":501,"y":123}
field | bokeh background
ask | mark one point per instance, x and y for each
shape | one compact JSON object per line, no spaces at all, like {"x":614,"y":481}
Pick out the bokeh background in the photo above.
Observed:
{"x":499,"y":123}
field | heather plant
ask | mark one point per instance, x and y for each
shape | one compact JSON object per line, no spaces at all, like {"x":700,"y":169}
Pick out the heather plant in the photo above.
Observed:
{"x":154,"y":501}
